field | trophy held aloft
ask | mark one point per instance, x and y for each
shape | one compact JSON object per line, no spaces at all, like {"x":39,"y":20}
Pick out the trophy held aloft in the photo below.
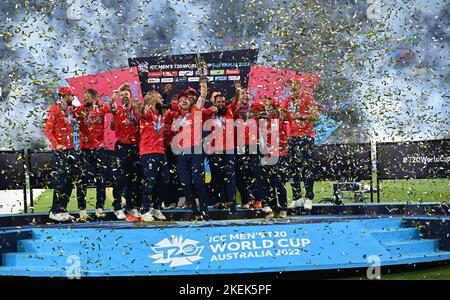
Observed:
{"x":202,"y":68}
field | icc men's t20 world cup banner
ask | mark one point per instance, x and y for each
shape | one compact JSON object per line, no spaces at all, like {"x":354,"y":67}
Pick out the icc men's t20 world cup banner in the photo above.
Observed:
{"x":182,"y":71}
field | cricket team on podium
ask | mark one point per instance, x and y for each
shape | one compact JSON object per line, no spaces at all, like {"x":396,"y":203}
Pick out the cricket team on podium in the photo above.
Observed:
{"x":254,"y":147}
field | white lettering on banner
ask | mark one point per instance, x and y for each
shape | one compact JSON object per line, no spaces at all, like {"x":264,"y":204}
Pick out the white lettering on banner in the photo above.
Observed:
{"x":166,"y":79}
{"x":241,"y":255}
{"x":426,"y":159}
{"x":255,"y":245}
{"x":186,"y":73}
{"x":178,"y":251}
{"x":193,"y":79}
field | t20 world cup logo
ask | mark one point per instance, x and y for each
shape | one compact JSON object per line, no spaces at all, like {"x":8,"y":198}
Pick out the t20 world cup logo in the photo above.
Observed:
{"x":177,"y":251}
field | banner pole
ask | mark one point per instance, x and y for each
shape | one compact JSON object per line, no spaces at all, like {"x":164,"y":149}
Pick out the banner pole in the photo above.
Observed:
{"x":24,"y":187}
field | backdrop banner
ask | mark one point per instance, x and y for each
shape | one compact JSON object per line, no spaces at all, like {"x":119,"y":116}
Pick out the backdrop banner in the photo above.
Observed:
{"x":421,"y":159}
{"x":12,"y":170}
{"x":343,"y":162}
{"x":104,"y":83}
{"x":43,"y":172}
{"x":182,"y":71}
{"x":275,"y":83}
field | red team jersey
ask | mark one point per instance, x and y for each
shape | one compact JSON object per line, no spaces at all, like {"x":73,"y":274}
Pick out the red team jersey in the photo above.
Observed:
{"x":58,"y":126}
{"x":221,"y":143}
{"x":152,"y":130}
{"x":92,"y":125}
{"x":239,"y":113}
{"x":301,"y":128}
{"x":182,"y":125}
{"x":282,"y":135}
{"x":126,"y":125}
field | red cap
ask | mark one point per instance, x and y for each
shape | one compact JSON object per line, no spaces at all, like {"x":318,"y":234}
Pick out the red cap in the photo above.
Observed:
{"x":65,"y":90}
{"x":191,"y":90}
{"x":182,"y":94}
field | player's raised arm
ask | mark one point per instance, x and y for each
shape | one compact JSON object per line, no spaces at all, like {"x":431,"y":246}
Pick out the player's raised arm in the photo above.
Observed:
{"x":237,"y":92}
{"x":203,"y":93}
{"x":112,"y":101}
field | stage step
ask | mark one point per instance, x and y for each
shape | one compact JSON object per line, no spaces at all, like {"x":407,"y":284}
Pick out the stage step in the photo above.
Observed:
{"x":383,"y":224}
{"x":47,"y":271}
{"x":396,"y":234}
{"x":33,"y":259}
{"x":34,"y":246}
{"x":412,"y":247}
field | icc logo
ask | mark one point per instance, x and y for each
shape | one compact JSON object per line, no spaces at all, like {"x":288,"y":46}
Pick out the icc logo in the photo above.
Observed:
{"x":177,"y":251}
{"x":143,"y":67}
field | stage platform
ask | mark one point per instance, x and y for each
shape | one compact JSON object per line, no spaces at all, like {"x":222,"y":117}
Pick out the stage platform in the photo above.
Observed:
{"x":357,"y":236}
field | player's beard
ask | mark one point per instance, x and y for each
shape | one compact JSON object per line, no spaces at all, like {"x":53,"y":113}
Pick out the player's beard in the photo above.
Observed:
{"x":126,"y":101}
{"x":221,"y":110}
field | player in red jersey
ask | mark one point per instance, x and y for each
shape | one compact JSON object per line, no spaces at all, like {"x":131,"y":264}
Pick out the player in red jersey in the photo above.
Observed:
{"x":220,"y":145}
{"x":91,"y":118}
{"x":186,"y":144}
{"x":249,"y":170}
{"x":128,"y":175}
{"x":302,"y":112}
{"x":192,"y":95}
{"x":58,"y":129}
{"x":276,"y":170}
{"x":153,"y":123}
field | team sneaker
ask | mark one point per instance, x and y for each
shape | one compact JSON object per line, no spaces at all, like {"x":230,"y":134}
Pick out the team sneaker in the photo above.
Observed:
{"x":69,"y":217}
{"x":182,"y":203}
{"x":282,"y":214}
{"x":84,"y":215}
{"x":100,"y":213}
{"x":60,"y":217}
{"x":202,"y":217}
{"x":147,"y":217}
{"x":308,"y":204}
{"x":172,"y":206}
{"x":296,"y":203}
{"x":256,"y":205}
{"x":206,"y":217}
{"x":267,"y":210}
{"x":219,"y":205}
{"x":157,"y":214}
{"x":269,"y":216}
{"x":132,"y":219}
{"x":135,"y":213}
{"x":120,"y":214}
{"x":245,"y":206}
